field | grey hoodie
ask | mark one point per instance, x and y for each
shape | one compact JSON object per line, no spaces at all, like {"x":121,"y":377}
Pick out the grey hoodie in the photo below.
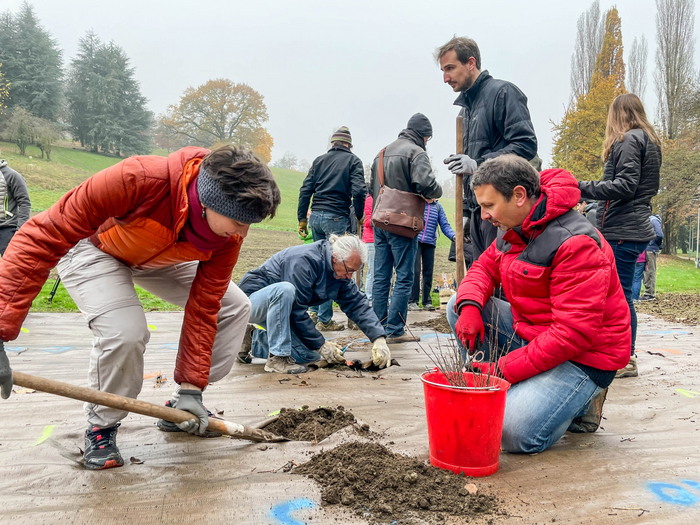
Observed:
{"x":15,"y":198}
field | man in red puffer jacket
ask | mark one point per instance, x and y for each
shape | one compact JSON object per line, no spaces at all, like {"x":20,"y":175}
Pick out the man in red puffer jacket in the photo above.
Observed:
{"x":564,"y":331}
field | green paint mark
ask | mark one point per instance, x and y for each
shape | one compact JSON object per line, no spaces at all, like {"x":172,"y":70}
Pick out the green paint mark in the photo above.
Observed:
{"x":259,"y":327}
{"x":46,"y":434}
{"x":273,"y":413}
{"x":24,"y":330}
{"x":687,"y":393}
{"x":151,"y":327}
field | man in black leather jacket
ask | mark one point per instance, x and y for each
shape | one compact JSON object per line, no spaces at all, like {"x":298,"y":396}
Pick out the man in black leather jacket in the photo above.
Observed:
{"x":406,"y":168}
{"x":496,"y":122}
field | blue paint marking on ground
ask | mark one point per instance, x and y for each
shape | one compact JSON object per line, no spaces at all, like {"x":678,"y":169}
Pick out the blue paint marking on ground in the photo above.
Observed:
{"x":692,"y":483}
{"x":664,"y":332}
{"x":281,"y":512}
{"x":170,"y":346}
{"x":15,"y":349}
{"x":669,"y":493}
{"x":428,"y":337}
{"x":47,"y":349}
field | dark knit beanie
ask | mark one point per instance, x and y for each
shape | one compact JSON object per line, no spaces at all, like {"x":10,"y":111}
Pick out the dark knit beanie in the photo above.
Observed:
{"x":342,"y":135}
{"x":421,"y":125}
{"x":211,"y":196}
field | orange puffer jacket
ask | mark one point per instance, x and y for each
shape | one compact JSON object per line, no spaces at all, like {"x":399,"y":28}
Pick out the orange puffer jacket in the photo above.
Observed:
{"x":133,"y":211}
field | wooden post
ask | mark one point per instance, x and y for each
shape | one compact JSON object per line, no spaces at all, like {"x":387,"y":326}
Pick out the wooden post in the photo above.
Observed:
{"x":459,"y":213}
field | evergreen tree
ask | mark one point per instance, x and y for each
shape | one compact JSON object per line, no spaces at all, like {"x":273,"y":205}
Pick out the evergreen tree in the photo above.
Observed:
{"x":578,"y":142}
{"x":32,"y":64}
{"x":106,"y":110}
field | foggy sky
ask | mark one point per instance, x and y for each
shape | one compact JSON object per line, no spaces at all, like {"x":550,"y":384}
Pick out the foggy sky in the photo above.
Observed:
{"x":367,"y":65}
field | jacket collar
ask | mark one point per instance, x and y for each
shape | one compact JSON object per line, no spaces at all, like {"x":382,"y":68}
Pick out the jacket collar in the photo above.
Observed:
{"x":409,"y":134}
{"x":467,"y":97}
{"x":341,"y":148}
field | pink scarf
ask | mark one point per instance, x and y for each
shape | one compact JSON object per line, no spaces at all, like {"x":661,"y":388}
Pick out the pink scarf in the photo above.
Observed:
{"x":196,"y":230}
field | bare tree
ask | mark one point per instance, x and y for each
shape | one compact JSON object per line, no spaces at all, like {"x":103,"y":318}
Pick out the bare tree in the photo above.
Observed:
{"x":637,"y":67}
{"x":590,"y":30}
{"x":288,"y":161}
{"x":303,"y":166}
{"x":675,"y":67}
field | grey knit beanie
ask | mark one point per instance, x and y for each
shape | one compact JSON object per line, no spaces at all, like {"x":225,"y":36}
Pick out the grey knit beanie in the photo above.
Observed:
{"x":211,"y":196}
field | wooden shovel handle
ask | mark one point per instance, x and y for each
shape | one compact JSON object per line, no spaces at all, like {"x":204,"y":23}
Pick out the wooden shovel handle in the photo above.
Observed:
{"x":139,"y":407}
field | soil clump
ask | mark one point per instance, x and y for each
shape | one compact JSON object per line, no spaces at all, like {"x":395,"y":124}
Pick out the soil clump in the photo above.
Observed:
{"x":674,"y":307}
{"x":312,"y":425}
{"x":439,"y":324}
{"x":384,"y":487}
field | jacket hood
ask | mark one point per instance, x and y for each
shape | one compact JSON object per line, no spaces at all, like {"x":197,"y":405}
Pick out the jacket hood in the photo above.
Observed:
{"x":559,"y":194}
{"x":591,"y":206}
{"x":3,"y":163}
{"x":409,"y":134}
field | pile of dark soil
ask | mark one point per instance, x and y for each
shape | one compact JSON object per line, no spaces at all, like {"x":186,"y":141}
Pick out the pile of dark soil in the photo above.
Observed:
{"x":384,"y":487}
{"x":311,"y":425}
{"x":439,"y":324}
{"x":674,"y":307}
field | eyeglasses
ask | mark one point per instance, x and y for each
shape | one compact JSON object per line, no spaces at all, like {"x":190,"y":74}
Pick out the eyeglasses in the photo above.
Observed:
{"x":347,"y":270}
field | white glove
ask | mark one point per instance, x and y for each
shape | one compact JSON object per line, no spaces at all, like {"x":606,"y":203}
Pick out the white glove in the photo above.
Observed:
{"x":381,"y":356}
{"x":461,"y":164}
{"x":331,"y":352}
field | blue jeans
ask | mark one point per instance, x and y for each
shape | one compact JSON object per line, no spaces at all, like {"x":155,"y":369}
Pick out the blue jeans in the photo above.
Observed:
{"x":271,"y":308}
{"x":369,"y":277}
{"x":323,"y":224}
{"x":637,"y":284}
{"x":626,"y":255}
{"x":540,"y":408}
{"x":392,"y":252}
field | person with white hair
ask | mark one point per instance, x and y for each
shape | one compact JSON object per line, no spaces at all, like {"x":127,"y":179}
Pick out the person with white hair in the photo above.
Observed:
{"x":286,"y":285}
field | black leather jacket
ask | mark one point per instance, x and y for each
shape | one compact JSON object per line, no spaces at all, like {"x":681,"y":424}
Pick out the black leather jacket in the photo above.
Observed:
{"x":496,"y":122}
{"x":630,"y":180}
{"x":406,"y":168}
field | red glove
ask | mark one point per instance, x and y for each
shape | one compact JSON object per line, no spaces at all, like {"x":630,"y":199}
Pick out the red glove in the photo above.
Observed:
{"x":485,"y":367}
{"x":470,"y":328}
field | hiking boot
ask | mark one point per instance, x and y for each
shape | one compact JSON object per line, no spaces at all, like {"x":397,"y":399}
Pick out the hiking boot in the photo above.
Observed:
{"x":352,"y":325}
{"x":590,"y":421}
{"x":630,"y":370}
{"x":283,"y":364}
{"x":101,"y":450}
{"x":330,"y":326}
{"x":169,"y":426}
{"x":405,"y":338}
{"x":244,"y":356}
{"x":428,"y":308}
{"x":314,"y":316}
{"x":413,"y":307}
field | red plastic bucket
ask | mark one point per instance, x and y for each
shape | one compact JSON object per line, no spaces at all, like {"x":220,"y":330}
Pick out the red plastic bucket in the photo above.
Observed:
{"x":464,"y":424}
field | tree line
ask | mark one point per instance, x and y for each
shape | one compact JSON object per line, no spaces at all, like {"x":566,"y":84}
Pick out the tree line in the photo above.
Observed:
{"x":599,"y":74}
{"x":97,"y":101}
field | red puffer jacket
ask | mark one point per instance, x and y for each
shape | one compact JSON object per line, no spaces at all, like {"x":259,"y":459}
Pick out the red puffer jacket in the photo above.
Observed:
{"x":562,"y":285}
{"x":133,"y":211}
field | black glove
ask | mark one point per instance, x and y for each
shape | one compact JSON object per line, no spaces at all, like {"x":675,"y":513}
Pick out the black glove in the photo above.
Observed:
{"x":5,"y":373}
{"x":191,"y":401}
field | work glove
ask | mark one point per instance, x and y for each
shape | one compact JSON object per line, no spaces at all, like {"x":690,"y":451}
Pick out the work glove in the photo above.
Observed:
{"x":331,"y":352}
{"x":381,"y":356}
{"x":470,"y":328}
{"x":486,"y":368}
{"x":302,"y":228}
{"x":191,"y":401}
{"x":460,"y":164}
{"x":5,"y":373}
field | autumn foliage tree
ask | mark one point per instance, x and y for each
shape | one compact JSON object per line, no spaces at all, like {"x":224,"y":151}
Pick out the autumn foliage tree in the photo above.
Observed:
{"x":578,"y":141}
{"x":219,"y":112}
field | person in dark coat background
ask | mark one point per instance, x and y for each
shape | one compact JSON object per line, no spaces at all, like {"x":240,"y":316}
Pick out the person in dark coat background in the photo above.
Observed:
{"x":652,"y":252}
{"x":632,"y":155}
{"x":15,"y":204}
{"x":496,"y":122}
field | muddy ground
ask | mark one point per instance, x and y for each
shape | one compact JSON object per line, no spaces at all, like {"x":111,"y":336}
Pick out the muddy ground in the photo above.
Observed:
{"x":439,"y":324}
{"x":674,"y":307}
{"x":383,"y":487}
{"x":311,"y":425}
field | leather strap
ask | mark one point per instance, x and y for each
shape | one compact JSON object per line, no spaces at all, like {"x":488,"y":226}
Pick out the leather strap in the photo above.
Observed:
{"x":380,"y":168}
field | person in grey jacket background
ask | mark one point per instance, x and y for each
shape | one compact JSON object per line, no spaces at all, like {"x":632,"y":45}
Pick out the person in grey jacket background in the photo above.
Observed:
{"x":652,"y":252}
{"x":15,"y":204}
{"x":406,"y":168}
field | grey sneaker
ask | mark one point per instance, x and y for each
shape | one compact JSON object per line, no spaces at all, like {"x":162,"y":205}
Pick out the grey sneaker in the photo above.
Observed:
{"x":405,"y":338}
{"x":244,"y":356}
{"x":283,"y":364}
{"x":630,"y":370}
{"x":428,"y":308}
{"x":330,"y":326}
{"x":413,"y":307}
{"x":646,"y":298}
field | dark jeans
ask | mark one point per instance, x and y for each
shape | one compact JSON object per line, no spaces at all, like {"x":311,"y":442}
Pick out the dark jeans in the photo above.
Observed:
{"x":637,"y":284}
{"x":323,"y":224}
{"x":392,"y":251}
{"x":626,"y":255}
{"x":6,"y":234}
{"x":426,"y":256}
